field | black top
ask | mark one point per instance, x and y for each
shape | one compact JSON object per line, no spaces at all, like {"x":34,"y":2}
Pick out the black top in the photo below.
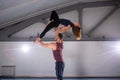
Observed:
{"x":66,"y":22}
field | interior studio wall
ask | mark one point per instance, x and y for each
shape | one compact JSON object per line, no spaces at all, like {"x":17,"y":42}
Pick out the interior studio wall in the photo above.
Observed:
{"x":87,"y":58}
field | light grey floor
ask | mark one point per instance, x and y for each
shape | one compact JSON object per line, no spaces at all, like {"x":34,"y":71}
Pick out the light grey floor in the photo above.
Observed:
{"x":64,"y":79}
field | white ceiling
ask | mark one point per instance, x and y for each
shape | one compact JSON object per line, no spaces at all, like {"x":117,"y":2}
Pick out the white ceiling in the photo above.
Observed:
{"x":13,"y":9}
{"x":10,"y":9}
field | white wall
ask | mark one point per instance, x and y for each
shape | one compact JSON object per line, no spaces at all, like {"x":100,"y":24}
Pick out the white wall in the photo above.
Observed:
{"x":81,"y":59}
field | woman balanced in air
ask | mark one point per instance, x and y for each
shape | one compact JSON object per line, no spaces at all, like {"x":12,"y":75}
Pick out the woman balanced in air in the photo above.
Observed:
{"x":56,"y":23}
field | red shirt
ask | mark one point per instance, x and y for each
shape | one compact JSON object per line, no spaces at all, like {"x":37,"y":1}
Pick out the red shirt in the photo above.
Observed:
{"x":58,"y":52}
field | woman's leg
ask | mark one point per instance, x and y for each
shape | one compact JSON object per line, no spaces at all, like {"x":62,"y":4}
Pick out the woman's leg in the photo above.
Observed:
{"x":48,"y":27}
{"x":54,"y":23}
{"x":54,"y":16}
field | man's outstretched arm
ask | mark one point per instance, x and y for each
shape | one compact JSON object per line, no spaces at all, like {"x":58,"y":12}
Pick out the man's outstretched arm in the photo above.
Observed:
{"x":47,"y":45}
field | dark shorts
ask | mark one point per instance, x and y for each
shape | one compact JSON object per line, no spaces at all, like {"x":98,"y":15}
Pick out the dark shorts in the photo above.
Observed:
{"x":59,"y":70}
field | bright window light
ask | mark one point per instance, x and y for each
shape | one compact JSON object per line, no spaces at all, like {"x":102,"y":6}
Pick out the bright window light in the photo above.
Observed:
{"x":25,"y":48}
{"x":117,"y":47}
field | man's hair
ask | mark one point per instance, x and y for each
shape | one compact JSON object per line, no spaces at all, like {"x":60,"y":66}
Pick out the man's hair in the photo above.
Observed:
{"x":60,"y":36}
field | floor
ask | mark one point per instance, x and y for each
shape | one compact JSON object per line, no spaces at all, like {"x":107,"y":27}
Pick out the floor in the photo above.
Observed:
{"x":64,"y":79}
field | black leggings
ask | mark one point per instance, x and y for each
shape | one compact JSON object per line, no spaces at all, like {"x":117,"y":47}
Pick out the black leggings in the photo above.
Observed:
{"x":59,"y":70}
{"x":54,"y":18}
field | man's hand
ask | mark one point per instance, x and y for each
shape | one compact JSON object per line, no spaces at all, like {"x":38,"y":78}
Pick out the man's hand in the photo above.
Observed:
{"x":37,"y":40}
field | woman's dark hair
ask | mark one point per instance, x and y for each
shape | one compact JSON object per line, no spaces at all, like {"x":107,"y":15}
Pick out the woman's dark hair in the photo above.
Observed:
{"x":76,"y":31}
